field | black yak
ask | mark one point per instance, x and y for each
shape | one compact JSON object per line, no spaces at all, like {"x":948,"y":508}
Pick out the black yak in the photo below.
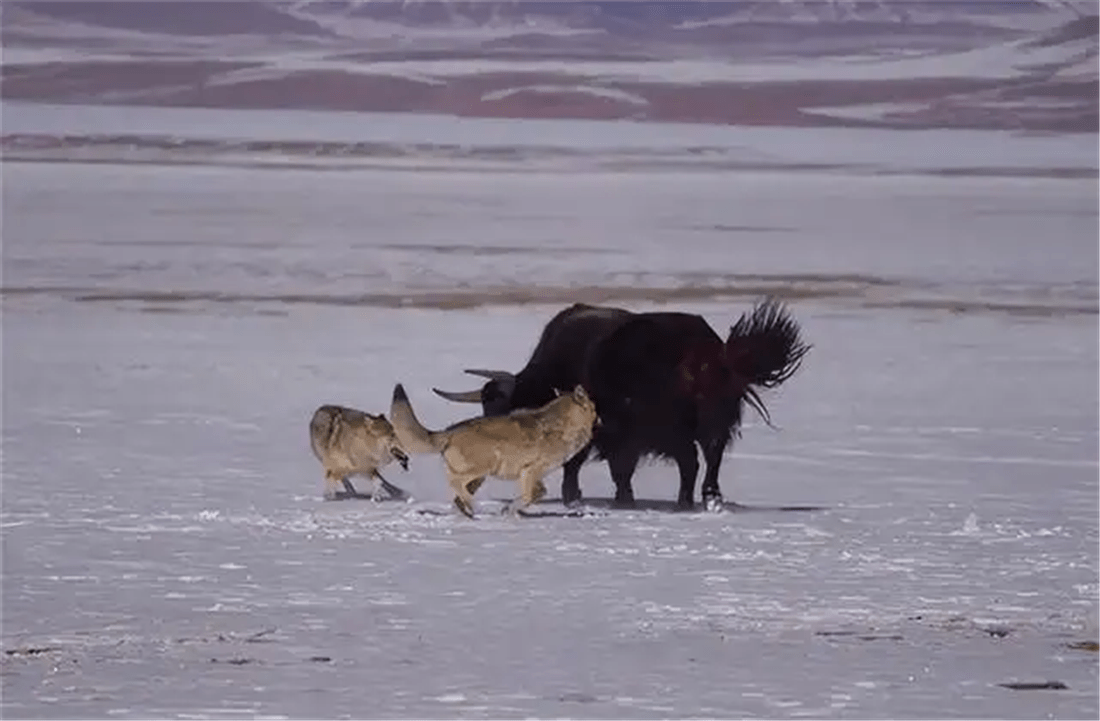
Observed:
{"x":662,"y":382}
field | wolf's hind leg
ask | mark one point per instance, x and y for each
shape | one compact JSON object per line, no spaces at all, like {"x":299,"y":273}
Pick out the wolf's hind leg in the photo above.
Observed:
{"x":346,"y":482}
{"x":392,"y":491}
{"x":475,"y":484}
{"x":332,"y":485}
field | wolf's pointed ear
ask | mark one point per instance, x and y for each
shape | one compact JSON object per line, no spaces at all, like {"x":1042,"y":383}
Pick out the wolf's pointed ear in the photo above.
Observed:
{"x":579,"y":393}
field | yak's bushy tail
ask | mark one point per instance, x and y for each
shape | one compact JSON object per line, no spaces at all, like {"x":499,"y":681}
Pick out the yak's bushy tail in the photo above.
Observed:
{"x":764,"y":349}
{"x":411,"y":434}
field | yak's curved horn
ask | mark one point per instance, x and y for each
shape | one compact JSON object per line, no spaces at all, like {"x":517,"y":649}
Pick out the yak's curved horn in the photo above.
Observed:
{"x":491,"y":375}
{"x":463,"y":397}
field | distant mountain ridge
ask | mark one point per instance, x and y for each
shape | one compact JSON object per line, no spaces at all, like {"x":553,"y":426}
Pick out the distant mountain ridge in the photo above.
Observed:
{"x":1026,"y":64}
{"x":644,"y":17}
{"x":649,"y":14}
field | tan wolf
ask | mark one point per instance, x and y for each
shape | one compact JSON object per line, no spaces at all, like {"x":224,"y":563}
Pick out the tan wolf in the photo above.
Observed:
{"x":523,"y":446}
{"x":349,"y":442}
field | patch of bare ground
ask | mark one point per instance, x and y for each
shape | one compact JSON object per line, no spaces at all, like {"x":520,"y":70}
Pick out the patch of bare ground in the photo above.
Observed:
{"x":1083,"y":27}
{"x":234,"y":18}
{"x":1038,"y":310}
{"x":855,"y":291}
{"x":437,"y":157}
{"x":88,"y":81}
{"x":785,"y":103}
{"x":948,"y":102}
{"x":317,"y":90}
{"x":522,"y":48}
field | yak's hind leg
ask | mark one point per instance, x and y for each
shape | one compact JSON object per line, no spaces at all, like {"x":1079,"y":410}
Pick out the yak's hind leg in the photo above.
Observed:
{"x":570,"y":482}
{"x":687,"y":459}
{"x":713,"y":449}
{"x":622,"y":462}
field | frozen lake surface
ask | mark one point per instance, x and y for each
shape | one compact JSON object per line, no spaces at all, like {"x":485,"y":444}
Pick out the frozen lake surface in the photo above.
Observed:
{"x":922,"y":529}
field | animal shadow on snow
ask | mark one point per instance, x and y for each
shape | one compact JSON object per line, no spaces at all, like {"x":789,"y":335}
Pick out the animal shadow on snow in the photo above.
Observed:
{"x":553,"y":508}
{"x":350,"y":494}
{"x":670,"y":506}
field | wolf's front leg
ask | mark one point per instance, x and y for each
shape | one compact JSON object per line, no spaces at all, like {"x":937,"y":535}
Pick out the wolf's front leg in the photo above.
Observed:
{"x":531,"y":489}
{"x":376,"y":489}
{"x":464,"y":500}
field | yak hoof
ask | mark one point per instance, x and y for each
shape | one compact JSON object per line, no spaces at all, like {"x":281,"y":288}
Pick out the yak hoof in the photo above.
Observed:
{"x":714,"y":504}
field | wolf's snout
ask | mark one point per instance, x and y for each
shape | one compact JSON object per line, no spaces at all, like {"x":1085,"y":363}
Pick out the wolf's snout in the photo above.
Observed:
{"x":401,"y":457}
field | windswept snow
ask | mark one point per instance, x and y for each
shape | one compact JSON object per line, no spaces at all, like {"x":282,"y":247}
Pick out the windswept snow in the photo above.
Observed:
{"x":920,"y":531}
{"x":609,"y":93}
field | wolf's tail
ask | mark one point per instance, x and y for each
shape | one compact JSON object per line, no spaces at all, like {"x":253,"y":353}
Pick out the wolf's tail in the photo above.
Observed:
{"x":322,"y":427}
{"x":764,"y":349}
{"x":412,"y":435}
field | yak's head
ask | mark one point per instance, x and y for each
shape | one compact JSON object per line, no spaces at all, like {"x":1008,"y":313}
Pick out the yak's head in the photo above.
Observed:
{"x":495,"y":396}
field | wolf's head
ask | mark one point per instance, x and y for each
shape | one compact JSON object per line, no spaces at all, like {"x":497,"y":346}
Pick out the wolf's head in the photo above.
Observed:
{"x":380,"y":428}
{"x":585,"y":405}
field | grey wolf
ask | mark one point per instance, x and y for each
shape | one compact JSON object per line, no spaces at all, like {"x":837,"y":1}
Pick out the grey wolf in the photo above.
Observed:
{"x":350,"y":442}
{"x":523,"y":445}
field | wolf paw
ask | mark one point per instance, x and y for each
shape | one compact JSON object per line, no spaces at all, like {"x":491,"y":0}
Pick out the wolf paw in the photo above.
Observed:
{"x":515,"y":509}
{"x":464,"y":508}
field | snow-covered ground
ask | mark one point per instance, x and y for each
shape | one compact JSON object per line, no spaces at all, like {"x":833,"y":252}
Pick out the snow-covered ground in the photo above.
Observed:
{"x":922,"y":528}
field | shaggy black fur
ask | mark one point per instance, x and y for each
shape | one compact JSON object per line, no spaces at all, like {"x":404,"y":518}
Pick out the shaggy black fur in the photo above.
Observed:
{"x":662,"y":383}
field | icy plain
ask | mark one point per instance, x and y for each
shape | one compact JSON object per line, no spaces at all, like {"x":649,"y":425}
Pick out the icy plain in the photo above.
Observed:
{"x":921,"y":530}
